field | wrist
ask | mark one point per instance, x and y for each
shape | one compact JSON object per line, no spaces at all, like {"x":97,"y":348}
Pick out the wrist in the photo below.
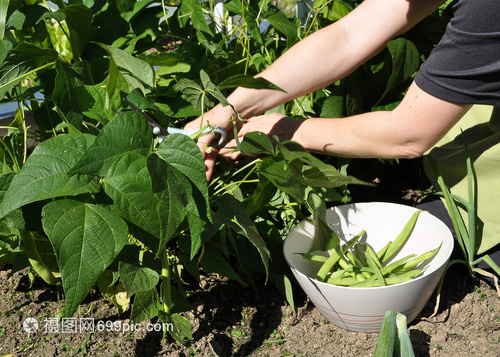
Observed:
{"x":306,"y":135}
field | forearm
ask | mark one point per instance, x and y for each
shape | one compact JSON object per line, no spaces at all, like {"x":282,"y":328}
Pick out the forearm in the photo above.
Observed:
{"x":333,"y":52}
{"x":406,"y":132}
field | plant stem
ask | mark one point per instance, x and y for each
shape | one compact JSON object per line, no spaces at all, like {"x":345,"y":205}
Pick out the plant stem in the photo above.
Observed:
{"x":16,"y":167}
{"x":166,"y":291}
{"x":36,"y":260}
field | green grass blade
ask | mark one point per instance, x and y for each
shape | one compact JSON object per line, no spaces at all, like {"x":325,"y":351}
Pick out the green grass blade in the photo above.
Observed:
{"x":456,"y":217}
{"x":487,"y":259}
{"x":403,"y":347}
{"x":471,"y":213}
{"x":386,"y":339}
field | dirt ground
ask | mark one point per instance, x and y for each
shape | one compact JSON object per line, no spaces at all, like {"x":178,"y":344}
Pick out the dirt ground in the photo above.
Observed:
{"x":229,"y":320}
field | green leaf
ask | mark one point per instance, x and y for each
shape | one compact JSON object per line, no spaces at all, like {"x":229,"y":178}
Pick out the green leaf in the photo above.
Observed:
{"x":58,"y":34}
{"x":334,"y":10}
{"x":327,"y":176}
{"x":261,"y":196}
{"x":233,"y":214}
{"x":292,"y":151}
{"x":137,"y":101}
{"x":247,"y":81}
{"x":67,"y":80}
{"x":86,"y":239}
{"x":278,"y":19}
{"x":112,"y":291}
{"x":193,"y":93}
{"x":168,"y":63}
{"x":129,"y":132}
{"x":173,"y":191}
{"x":91,"y":99}
{"x":4,"y":6}
{"x":333,"y":107}
{"x":200,"y":97}
{"x":137,"y":279}
{"x":145,"y":306}
{"x":5,"y":47}
{"x":78,"y":19}
{"x":213,"y":262}
{"x":257,"y":143}
{"x":324,"y":237}
{"x":177,"y":326}
{"x":212,"y":89}
{"x":131,"y":71}
{"x":45,"y":173}
{"x":128,"y":184}
{"x":192,"y":10}
{"x":25,"y":17}
{"x":24,"y":59}
{"x":405,"y":63}
{"x":149,"y":193}
{"x":286,"y":176}
{"x":182,"y":153}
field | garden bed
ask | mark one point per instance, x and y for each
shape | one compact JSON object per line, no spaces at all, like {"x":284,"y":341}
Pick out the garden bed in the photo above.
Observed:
{"x":229,"y":320}
{"x":232,"y":321}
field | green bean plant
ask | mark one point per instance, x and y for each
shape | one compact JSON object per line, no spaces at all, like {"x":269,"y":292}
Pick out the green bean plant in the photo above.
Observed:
{"x":90,"y":198}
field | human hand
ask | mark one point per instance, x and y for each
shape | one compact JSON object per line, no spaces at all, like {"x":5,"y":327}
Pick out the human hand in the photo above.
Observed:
{"x":273,"y":125}
{"x":218,"y":117}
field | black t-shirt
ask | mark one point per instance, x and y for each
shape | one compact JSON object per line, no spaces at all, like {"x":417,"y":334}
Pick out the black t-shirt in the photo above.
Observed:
{"x":464,"y":67}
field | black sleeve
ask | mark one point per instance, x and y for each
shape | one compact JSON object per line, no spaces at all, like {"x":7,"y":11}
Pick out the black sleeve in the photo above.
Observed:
{"x":464,"y":67}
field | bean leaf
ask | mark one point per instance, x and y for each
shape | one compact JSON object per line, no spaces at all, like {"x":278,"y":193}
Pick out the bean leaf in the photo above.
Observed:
{"x":127,"y":133}
{"x":137,"y":279}
{"x":45,"y":173}
{"x":182,"y":153}
{"x":84,"y":248}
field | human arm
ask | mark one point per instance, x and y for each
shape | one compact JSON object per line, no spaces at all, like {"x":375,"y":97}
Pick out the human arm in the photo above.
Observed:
{"x":408,"y":131}
{"x":322,"y":58}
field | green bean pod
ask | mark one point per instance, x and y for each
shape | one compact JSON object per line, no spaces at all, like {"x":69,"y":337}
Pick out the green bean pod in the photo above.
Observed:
{"x":343,"y":281}
{"x":381,"y":252}
{"x":401,"y":238}
{"x":392,"y":279}
{"x":314,"y":257}
{"x":417,"y":260}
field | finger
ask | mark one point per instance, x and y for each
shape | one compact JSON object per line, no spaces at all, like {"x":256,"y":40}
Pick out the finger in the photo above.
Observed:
{"x":233,"y":156}
{"x":207,"y":140}
{"x":209,"y":155}
{"x":210,"y":159}
{"x":194,"y":124}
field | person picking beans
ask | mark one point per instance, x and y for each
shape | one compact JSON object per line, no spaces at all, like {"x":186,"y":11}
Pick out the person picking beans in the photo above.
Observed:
{"x":462,"y":70}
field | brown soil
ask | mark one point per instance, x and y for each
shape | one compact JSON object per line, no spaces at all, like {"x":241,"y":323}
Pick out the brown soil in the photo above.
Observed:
{"x":229,"y":320}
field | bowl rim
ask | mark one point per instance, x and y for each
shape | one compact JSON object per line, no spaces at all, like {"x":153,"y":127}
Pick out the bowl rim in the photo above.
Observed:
{"x":373,"y":288}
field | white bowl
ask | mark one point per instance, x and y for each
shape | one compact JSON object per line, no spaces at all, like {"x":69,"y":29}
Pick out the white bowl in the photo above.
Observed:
{"x":363,"y":309}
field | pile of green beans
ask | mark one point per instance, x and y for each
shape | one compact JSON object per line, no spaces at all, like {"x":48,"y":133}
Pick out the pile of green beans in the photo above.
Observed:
{"x":356,"y":264}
